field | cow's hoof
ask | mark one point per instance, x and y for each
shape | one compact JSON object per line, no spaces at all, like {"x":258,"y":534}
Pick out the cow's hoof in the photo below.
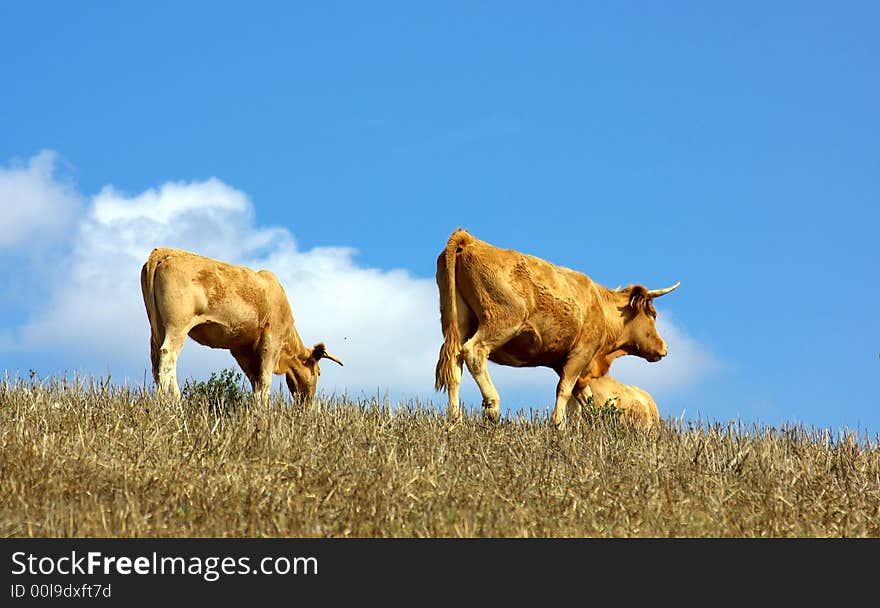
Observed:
{"x":452,"y":423}
{"x":493,"y":415}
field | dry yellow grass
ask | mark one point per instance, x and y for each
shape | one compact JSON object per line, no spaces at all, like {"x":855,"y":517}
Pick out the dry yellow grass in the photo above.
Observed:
{"x":85,"y":460}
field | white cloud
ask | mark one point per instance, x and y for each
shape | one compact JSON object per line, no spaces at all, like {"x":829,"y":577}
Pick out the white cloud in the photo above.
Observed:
{"x":384,"y":324}
{"x":37,"y":207}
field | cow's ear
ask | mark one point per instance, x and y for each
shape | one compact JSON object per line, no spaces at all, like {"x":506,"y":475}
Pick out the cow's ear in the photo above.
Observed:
{"x":291,"y":383}
{"x":638,"y":298}
{"x":319,"y":351}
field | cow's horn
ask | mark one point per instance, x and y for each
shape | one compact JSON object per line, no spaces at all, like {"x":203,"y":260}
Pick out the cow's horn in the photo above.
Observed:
{"x":656,"y":293}
{"x":332,"y":358}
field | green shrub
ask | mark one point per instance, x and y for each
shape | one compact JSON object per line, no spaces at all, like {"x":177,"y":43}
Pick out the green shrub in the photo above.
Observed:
{"x":606,"y":411}
{"x":222,"y":390}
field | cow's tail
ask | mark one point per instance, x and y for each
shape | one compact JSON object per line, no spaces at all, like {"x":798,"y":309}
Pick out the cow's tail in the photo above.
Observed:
{"x":148,"y":277}
{"x":444,"y":375}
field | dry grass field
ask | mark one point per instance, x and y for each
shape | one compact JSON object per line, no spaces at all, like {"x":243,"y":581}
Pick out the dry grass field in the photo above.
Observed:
{"x":79,"y":459}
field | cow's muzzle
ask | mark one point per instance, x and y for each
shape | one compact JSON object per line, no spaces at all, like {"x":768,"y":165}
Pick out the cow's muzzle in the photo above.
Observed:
{"x":658,"y":355}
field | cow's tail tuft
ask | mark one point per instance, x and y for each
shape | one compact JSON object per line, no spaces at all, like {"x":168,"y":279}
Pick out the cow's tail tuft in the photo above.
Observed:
{"x":148,"y":277}
{"x":450,"y":351}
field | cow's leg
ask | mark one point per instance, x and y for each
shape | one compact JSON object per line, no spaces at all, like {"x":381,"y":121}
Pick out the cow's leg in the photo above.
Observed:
{"x":266,"y":357}
{"x":168,"y":354}
{"x":579,"y":395}
{"x":476,"y":353}
{"x":568,"y":377}
{"x":453,"y":409}
{"x":582,"y":392}
{"x":248,"y":363}
{"x":476,"y":363}
{"x":263,"y":387}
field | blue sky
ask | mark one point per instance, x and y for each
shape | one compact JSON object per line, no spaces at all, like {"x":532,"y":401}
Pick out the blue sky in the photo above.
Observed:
{"x":733,"y":148}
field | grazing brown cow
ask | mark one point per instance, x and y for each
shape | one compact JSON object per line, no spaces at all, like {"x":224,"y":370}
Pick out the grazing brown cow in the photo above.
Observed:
{"x":515,"y":309}
{"x":631,"y":401}
{"x":222,"y":305}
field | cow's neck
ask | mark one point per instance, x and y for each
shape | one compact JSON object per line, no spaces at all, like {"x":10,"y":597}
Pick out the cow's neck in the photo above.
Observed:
{"x":615,"y":344}
{"x":294,"y":351}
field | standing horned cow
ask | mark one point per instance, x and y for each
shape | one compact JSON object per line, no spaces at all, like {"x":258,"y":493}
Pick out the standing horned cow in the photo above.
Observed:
{"x":514,"y":309}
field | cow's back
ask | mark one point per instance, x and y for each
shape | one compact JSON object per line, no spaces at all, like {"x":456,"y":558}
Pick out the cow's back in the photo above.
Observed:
{"x":529,"y":272}
{"x":225,"y":304}
{"x":546,"y":304}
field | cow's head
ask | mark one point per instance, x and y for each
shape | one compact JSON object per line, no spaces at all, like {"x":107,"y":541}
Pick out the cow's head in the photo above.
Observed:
{"x":639,"y":336}
{"x":302,"y":375}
